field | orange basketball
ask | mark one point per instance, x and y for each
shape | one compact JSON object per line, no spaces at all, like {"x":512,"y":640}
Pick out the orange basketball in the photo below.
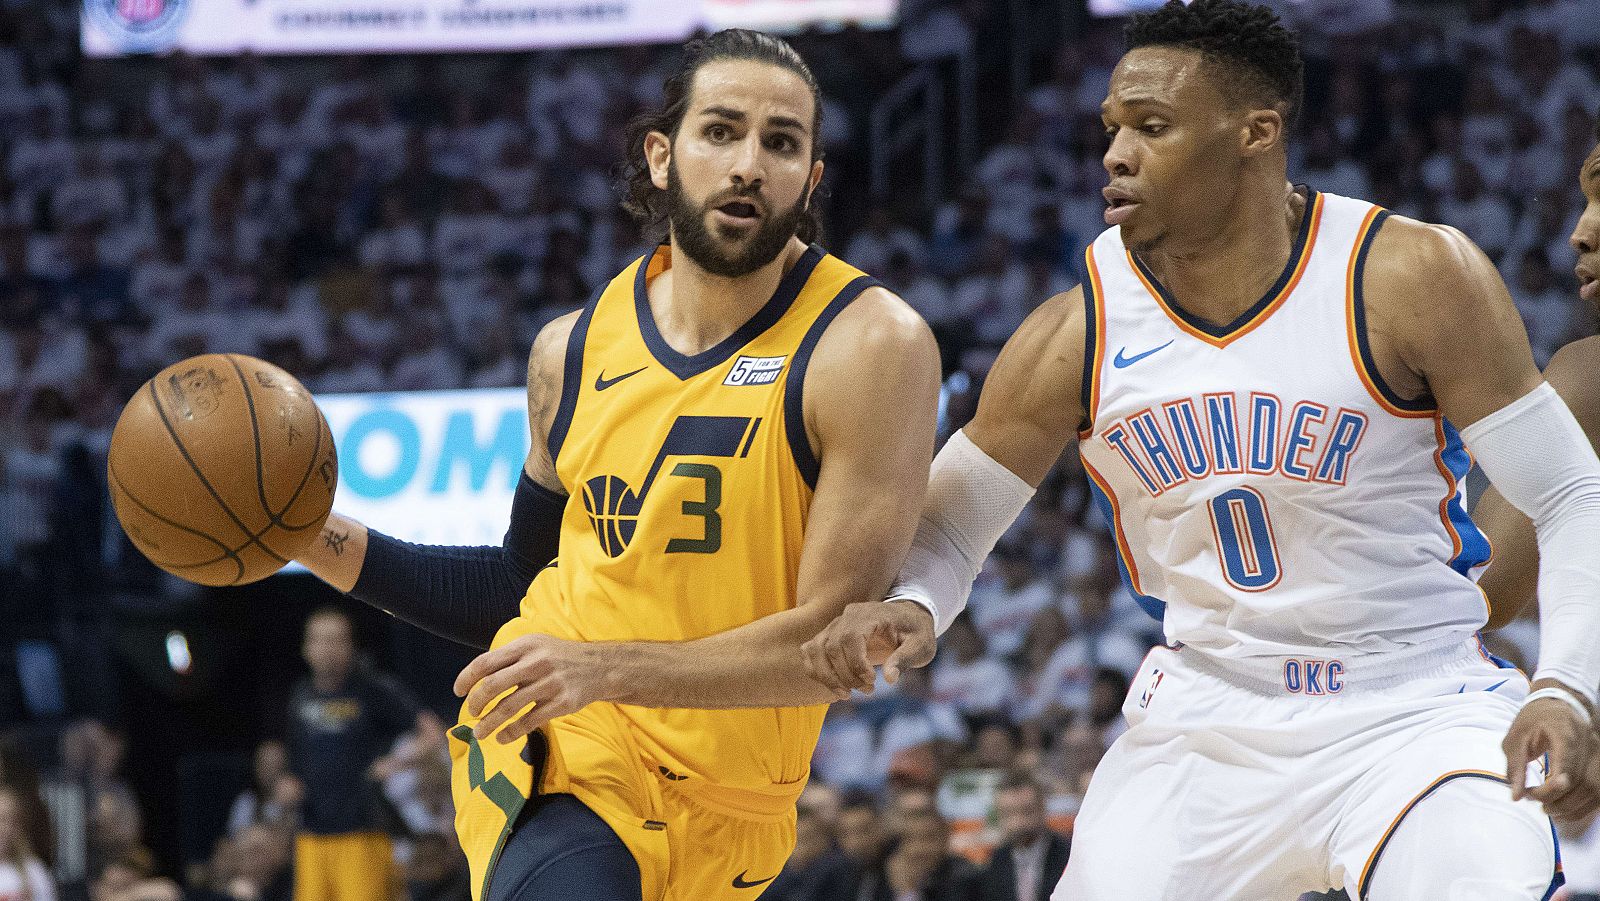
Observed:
{"x":222,"y":469}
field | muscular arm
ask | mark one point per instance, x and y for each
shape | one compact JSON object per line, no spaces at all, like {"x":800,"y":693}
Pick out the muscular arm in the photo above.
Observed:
{"x":461,"y":593}
{"x":981,"y":480}
{"x":1032,"y":402}
{"x":1512,"y":579}
{"x":871,"y":399}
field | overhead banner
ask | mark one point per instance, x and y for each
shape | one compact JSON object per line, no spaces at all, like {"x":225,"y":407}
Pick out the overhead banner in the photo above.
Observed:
{"x":437,"y":467}
{"x":220,"y":27}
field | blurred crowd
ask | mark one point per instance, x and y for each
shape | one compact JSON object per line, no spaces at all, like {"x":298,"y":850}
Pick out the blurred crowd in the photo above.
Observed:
{"x":405,"y":223}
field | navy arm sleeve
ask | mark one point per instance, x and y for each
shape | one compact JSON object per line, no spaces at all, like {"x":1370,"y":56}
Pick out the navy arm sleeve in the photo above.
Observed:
{"x":464,"y":594}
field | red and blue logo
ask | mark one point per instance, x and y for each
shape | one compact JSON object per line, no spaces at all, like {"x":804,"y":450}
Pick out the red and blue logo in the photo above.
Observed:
{"x":138,"y":26}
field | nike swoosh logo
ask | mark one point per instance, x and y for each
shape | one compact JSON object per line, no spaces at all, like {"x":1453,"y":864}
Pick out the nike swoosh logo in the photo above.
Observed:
{"x":1497,"y":685}
{"x":738,"y":881}
{"x":601,"y":383}
{"x":1122,"y":362}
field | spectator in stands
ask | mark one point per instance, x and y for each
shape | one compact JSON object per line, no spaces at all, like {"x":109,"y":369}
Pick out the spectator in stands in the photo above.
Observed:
{"x":859,"y":832}
{"x":1008,"y":595}
{"x":1031,"y":858}
{"x":816,"y":870}
{"x":343,"y":720}
{"x":273,"y":796}
{"x":437,"y":870}
{"x":18,"y":775}
{"x":967,"y":677}
{"x":23,"y":876}
{"x":129,"y":878}
{"x":920,"y":866}
{"x":262,"y":860}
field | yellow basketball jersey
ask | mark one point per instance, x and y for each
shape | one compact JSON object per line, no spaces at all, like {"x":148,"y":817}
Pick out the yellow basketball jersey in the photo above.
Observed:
{"x":689,"y":479}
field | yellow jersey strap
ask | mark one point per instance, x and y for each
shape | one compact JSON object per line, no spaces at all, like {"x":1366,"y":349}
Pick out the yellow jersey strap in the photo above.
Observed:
{"x":794,"y":423}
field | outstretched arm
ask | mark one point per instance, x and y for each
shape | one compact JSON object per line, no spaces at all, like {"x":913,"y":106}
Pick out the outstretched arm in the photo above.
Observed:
{"x":462,"y":593}
{"x":871,"y":399}
{"x":1485,"y":382}
{"x":1511,"y":581}
{"x":1031,"y":407}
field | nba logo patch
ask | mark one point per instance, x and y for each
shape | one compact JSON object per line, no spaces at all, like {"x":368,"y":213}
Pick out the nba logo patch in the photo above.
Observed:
{"x":1150,"y":690}
{"x":755,"y":371}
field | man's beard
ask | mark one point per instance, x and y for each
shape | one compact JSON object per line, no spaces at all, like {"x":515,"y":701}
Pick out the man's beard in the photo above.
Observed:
{"x":711,"y":253}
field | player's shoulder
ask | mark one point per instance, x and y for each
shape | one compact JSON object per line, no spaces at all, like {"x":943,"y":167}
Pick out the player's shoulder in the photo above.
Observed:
{"x":1411,"y":251}
{"x":547,"y":359}
{"x":877,"y":319}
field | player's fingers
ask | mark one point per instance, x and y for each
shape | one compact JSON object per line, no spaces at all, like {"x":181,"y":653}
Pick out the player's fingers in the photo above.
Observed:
{"x":856,"y":657}
{"x":839,"y":664}
{"x":891,"y":667}
{"x":525,"y":725}
{"x":1575,"y":804}
{"x":491,"y":662}
{"x":560,"y":704}
{"x":1515,"y":747}
{"x":1558,"y":781}
{"x":810,"y":652}
{"x":505,"y":709}
{"x":481,"y":665}
{"x":820,"y":663}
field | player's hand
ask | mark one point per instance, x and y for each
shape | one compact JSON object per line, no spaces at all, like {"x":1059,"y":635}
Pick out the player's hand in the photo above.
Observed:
{"x":1550,"y":727}
{"x":866,"y":634}
{"x":555,"y":676}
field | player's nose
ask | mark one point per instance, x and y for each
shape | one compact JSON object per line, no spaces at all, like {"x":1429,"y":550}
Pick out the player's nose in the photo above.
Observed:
{"x":747,"y":166}
{"x":1119,"y":159}
{"x":1586,"y":237}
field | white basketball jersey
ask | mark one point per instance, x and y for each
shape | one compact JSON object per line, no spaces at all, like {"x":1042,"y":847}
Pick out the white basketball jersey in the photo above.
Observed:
{"x":1269,"y":494}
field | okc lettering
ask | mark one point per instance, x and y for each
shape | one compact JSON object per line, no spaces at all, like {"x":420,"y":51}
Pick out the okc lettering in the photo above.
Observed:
{"x":1313,"y":677}
{"x":1228,"y":434}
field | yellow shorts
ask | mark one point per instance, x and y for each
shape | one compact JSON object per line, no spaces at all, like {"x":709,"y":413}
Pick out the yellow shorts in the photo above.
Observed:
{"x":354,"y":866}
{"x":689,"y":847}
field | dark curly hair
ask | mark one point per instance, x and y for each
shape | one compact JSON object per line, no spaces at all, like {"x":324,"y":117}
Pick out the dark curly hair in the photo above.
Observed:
{"x":1259,"y":57}
{"x":648,"y":203}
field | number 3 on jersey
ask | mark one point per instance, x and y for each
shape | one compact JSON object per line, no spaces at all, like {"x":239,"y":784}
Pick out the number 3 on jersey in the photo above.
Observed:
{"x":1245,"y":544}
{"x":614,"y":507}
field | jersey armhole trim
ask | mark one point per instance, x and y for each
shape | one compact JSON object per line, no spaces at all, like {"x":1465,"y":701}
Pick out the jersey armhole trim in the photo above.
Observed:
{"x":1094,"y":343}
{"x":794,"y":420}
{"x":1356,"y":321}
{"x":571,"y":378}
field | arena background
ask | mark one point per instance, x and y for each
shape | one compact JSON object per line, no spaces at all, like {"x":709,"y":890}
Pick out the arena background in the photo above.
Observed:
{"x":391,"y":226}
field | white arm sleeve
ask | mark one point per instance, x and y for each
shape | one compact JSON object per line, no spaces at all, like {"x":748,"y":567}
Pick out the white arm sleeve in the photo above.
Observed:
{"x":1537,"y":455}
{"x":972,"y":500}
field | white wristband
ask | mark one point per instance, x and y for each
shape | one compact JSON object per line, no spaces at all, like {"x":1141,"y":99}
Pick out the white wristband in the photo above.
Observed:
{"x":1560,"y":694}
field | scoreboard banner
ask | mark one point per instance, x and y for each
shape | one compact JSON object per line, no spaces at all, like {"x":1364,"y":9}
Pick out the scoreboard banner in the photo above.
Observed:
{"x":437,"y":467}
{"x":219,"y":27}
{"x":215,"y":27}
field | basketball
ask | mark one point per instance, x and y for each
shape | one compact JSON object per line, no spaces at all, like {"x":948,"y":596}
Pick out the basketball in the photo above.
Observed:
{"x":221,"y":469}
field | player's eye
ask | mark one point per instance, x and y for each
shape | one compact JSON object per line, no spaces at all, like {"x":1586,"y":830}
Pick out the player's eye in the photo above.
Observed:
{"x":1153,"y":128}
{"x":1111,"y":131}
{"x":718,"y":132}
{"x":783,"y":143}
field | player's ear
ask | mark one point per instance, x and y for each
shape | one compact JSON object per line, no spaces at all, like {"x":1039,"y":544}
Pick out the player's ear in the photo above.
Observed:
{"x":1263,"y":132}
{"x":813,"y":181}
{"x":658,"y":156}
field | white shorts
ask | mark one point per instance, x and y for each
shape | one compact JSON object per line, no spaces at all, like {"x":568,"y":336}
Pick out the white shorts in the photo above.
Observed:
{"x":1260,"y":782}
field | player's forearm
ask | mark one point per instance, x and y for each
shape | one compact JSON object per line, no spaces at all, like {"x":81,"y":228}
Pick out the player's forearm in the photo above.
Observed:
{"x":1561,"y":494}
{"x":758,"y":665}
{"x":336,"y":555}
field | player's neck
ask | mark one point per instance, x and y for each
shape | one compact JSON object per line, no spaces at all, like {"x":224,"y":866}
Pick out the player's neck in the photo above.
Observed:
{"x":1221,"y":276}
{"x":695,"y":310}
